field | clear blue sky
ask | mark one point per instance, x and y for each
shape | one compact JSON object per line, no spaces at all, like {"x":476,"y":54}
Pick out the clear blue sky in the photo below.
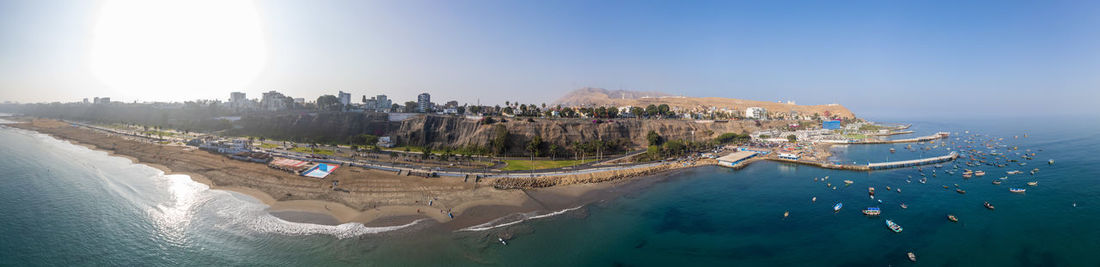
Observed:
{"x":876,"y":57}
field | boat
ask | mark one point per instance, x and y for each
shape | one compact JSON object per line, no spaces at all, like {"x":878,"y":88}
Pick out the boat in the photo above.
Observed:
{"x":1017,"y":190}
{"x":912,"y":257}
{"x":945,"y":187}
{"x":837,"y":206}
{"x":996,"y":182}
{"x":904,"y":206}
{"x":960,"y":191}
{"x":872,"y":211}
{"x":1012,"y":172}
{"x":813,"y":199}
{"x":786,"y":214}
{"x":847,"y":182}
{"x":893,"y":226}
{"x":899,"y":190}
{"x":871,"y":191}
{"x":892,"y":150}
{"x":987,"y":205}
{"x":923,"y":180}
{"x":502,"y":242}
{"x":966,"y":176}
{"x":888,"y":188}
{"x":951,"y":217}
{"x":1051,"y":162}
{"x":979,"y":173}
{"x":1033,"y":183}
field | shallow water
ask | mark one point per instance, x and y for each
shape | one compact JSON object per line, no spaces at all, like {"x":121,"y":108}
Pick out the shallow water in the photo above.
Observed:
{"x":65,"y":204}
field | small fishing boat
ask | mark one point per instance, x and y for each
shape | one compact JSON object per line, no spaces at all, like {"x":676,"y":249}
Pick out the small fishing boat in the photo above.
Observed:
{"x":951,"y":217}
{"x":892,"y":150}
{"x":872,"y":211}
{"x":888,"y":188}
{"x":1033,"y":183}
{"x":960,"y":191}
{"x":502,"y":242}
{"x":923,"y":180}
{"x":786,"y":214}
{"x":966,"y":176}
{"x":1012,"y":172}
{"x":871,"y":191}
{"x":996,"y":182}
{"x":893,"y":226}
{"x":946,"y":187}
{"x":1051,"y":162}
{"x":987,"y":205}
{"x":903,"y":206}
{"x":838,"y":206}
{"x":1017,"y":190}
{"x":899,"y":190}
{"x":847,"y":182}
{"x":979,"y":173}
{"x":912,"y":257}
{"x":813,"y":199}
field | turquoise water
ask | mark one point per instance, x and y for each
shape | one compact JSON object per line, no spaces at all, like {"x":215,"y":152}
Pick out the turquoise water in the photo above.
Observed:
{"x":67,"y":205}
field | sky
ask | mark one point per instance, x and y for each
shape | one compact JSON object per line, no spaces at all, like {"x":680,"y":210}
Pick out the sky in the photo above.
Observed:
{"x":886,"y":58}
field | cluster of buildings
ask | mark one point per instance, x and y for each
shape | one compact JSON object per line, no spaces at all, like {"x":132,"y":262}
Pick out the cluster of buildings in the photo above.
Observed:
{"x":98,"y":100}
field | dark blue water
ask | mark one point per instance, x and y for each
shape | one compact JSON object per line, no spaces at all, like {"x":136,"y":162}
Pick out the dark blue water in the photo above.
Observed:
{"x":65,"y":205}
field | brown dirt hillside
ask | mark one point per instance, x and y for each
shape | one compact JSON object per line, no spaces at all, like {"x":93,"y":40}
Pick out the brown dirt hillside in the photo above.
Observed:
{"x":453,"y":131}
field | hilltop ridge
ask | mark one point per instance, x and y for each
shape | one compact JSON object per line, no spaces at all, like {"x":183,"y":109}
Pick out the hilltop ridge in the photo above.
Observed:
{"x":603,"y":97}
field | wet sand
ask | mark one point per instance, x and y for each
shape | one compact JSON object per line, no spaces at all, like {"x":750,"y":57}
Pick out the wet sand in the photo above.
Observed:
{"x":374,"y":197}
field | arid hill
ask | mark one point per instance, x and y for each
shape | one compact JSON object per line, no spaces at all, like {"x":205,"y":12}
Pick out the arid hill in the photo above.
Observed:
{"x":603,"y":97}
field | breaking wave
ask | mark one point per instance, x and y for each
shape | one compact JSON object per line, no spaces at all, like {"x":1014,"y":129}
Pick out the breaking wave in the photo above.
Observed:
{"x":504,"y":221}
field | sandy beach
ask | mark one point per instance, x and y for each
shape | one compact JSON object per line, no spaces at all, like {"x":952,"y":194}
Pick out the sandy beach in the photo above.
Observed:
{"x":373,"y":197}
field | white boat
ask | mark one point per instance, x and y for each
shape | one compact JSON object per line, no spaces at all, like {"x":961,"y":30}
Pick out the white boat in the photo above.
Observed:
{"x":838,"y":206}
{"x":1017,"y":190}
{"x":502,"y":242}
{"x":1033,"y":183}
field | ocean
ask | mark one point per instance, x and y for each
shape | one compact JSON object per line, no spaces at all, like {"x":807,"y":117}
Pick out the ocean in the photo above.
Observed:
{"x":64,"y":204}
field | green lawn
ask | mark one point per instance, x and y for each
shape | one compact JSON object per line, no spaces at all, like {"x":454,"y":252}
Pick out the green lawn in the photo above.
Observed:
{"x":318,"y":151}
{"x":523,"y":165}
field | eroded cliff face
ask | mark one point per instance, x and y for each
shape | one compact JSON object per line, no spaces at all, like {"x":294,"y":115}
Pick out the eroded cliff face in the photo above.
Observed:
{"x":313,"y":127}
{"x":457,"y":131}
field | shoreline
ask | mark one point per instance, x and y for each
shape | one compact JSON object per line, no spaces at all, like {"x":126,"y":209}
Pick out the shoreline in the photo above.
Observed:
{"x":476,"y":205}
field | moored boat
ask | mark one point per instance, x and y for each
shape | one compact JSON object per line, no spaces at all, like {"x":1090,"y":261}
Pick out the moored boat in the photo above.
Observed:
{"x":838,"y":206}
{"x":979,"y":173}
{"x":847,"y":182}
{"x":903,"y":206}
{"x":960,"y":191}
{"x":1017,"y":190}
{"x":1033,"y":183}
{"x":951,"y":217}
{"x":912,"y":257}
{"x":893,"y":226}
{"x":987,"y":205}
{"x":872,"y":211}
{"x":871,"y":191}
{"x":996,"y":182}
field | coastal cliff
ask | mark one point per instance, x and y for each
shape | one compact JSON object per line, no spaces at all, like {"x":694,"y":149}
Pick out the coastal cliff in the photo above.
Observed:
{"x":458,"y":131}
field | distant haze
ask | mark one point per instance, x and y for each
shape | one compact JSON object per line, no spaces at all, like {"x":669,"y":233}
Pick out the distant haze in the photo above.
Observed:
{"x":886,"y":58}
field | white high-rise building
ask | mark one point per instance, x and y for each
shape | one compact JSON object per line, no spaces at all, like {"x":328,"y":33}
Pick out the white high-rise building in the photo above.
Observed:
{"x":756,"y":113}
{"x":345,"y":99}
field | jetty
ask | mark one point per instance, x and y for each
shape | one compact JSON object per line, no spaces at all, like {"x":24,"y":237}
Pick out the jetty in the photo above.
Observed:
{"x":939,"y":135}
{"x":909,"y":163}
{"x":874,"y":166}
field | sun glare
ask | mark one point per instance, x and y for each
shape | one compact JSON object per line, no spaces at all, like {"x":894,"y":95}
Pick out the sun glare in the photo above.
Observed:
{"x":177,"y":49}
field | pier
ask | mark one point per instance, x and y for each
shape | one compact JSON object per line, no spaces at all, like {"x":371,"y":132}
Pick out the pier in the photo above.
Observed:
{"x":939,"y":135}
{"x":875,"y":166}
